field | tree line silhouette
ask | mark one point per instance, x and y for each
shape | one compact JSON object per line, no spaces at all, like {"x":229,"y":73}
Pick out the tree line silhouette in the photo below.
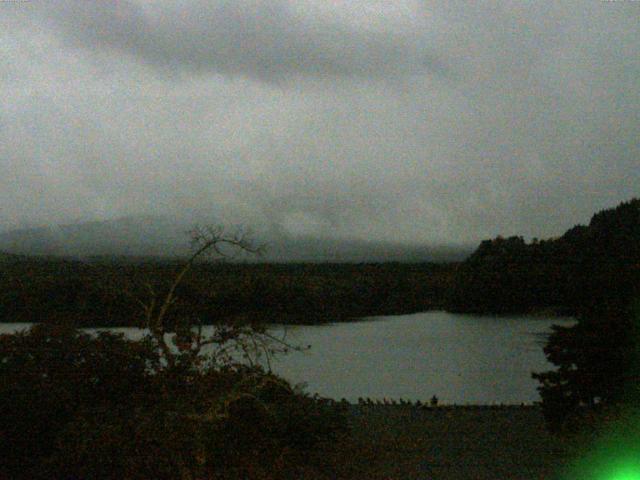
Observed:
{"x":565,"y":274}
{"x":591,"y":272}
{"x":108,"y":293}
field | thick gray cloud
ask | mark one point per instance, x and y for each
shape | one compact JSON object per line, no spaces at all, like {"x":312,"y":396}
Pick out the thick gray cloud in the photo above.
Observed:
{"x":267,"y":39}
{"x":416,"y":121}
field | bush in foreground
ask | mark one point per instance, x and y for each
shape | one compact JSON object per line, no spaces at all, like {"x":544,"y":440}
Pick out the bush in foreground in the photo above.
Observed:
{"x":81,"y":406}
{"x":598,"y":367}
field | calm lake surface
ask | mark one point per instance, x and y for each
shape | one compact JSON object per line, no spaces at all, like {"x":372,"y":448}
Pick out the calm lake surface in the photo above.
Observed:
{"x":459,"y":358}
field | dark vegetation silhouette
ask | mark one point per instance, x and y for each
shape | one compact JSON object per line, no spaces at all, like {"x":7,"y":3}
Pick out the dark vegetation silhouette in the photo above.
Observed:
{"x":509,"y":275}
{"x":82,"y":406}
{"x":592,"y":273}
{"x":597,"y":373}
{"x":78,"y":406}
{"x":597,"y":360}
{"x":107,"y":292}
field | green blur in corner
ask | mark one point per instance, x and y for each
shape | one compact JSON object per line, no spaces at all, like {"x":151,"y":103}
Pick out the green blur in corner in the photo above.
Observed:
{"x":621,"y":469}
{"x":614,"y":454}
{"x":626,"y":473}
{"x":612,"y":450}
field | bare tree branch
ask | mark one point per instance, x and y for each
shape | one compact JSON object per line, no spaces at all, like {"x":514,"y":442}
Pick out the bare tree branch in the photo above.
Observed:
{"x":205,"y":241}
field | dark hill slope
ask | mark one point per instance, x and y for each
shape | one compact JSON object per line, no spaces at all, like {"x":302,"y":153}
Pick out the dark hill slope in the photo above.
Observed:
{"x":567,"y":273}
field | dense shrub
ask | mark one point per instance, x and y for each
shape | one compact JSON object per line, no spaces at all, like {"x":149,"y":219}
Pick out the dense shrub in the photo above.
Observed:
{"x":597,"y":366}
{"x":78,"y":406}
{"x":50,"y":373}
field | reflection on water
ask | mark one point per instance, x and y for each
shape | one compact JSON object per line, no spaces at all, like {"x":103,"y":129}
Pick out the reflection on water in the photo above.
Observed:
{"x":459,"y":358}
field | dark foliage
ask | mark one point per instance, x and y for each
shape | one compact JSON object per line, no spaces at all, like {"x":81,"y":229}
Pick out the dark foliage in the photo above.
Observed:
{"x":78,"y":406}
{"x":597,"y":364}
{"x":564,"y":274}
{"x":108,"y":293}
{"x":49,"y":374}
{"x":591,"y":272}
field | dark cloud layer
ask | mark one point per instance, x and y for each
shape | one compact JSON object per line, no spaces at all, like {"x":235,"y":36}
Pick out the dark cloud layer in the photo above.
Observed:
{"x":414,"y":120}
{"x":265,"y":39}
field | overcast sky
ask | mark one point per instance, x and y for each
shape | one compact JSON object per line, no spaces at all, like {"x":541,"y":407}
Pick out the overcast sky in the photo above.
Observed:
{"x":408,"y":120}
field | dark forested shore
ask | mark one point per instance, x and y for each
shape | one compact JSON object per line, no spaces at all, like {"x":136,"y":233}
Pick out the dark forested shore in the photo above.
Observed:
{"x":108,"y":292}
{"x":567,"y":274}
{"x":504,"y":275}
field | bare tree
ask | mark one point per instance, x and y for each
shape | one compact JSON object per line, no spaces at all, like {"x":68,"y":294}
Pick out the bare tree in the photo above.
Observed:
{"x":251,"y":340}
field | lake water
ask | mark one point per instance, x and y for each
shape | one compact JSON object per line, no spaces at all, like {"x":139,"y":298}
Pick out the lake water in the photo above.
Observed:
{"x":459,"y":358}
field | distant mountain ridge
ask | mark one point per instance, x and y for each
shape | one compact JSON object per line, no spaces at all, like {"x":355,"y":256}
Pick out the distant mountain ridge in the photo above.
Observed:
{"x":156,"y":236}
{"x":153,"y":236}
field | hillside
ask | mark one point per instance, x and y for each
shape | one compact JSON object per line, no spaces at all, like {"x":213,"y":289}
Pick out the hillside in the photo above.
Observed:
{"x":565,"y":273}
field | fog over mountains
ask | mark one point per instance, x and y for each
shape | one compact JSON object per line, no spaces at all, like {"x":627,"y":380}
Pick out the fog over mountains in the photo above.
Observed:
{"x":415,"y":121}
{"x":159,"y":236}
